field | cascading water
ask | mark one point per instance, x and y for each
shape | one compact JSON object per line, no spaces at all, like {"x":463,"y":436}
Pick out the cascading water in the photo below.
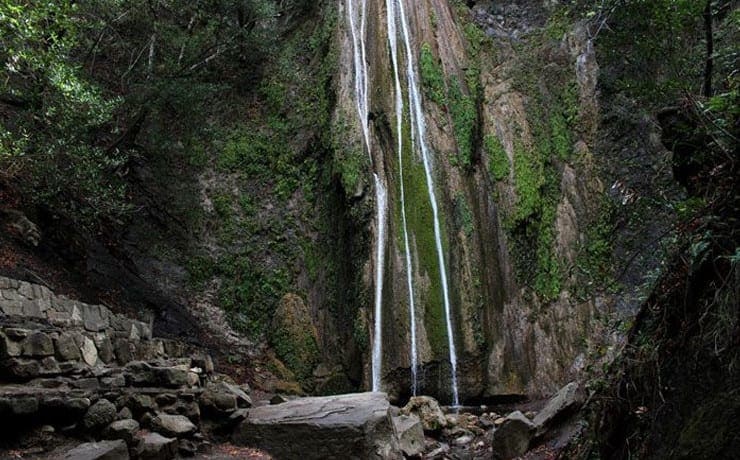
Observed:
{"x":382,"y":205}
{"x":418,"y":130}
{"x":397,"y":15}
{"x":360,"y":67}
{"x":392,"y":39}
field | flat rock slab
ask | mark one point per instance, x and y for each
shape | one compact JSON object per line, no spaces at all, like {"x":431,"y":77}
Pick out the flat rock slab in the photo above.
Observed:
{"x":560,"y":404}
{"x":342,"y":427}
{"x":103,"y":450}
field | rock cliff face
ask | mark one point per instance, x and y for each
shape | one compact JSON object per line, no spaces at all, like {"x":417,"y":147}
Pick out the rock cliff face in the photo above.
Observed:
{"x":514,"y":179}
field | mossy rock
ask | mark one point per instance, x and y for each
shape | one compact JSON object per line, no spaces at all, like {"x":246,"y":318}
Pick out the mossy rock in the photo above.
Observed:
{"x":294,"y":337}
{"x":711,"y":432}
{"x":336,"y":383}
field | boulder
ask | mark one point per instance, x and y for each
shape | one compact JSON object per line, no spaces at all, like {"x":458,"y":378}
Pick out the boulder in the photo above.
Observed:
{"x":165,"y":399}
{"x":95,"y":317}
{"x":103,"y":450}
{"x":141,"y":404}
{"x":122,"y":429}
{"x":100,"y":414}
{"x":124,"y":350}
{"x":278,"y":399}
{"x":187,"y":448}
{"x":9,"y":348}
{"x":124,"y":413}
{"x":64,"y":410}
{"x":90,"y":383}
{"x":512,"y":438}
{"x":177,"y":426}
{"x":18,"y":406}
{"x":409,"y":433}
{"x":342,"y":426}
{"x":66,"y":347}
{"x":140,"y":373}
{"x":154,"y":446}
{"x":23,"y":369}
{"x":204,"y":362}
{"x":89,"y":352}
{"x":189,"y":409}
{"x":557,"y":406}
{"x":105,"y":348}
{"x":222,"y":397}
{"x":38,"y":345}
{"x":428,"y":410}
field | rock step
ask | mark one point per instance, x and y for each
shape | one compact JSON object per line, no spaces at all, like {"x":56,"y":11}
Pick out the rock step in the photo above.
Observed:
{"x":30,"y":350}
{"x":356,"y":425}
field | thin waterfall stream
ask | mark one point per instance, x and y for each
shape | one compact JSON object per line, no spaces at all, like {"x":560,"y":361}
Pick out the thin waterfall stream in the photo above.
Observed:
{"x":381,"y":201}
{"x":393,"y":42}
{"x":419,"y":137}
{"x":397,"y":15}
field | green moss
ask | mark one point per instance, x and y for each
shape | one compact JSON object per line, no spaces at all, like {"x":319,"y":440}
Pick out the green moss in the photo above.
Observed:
{"x":498,"y":160}
{"x":293,"y":337}
{"x":711,"y":430}
{"x":528,"y":179}
{"x":249,"y":291}
{"x":560,"y":139}
{"x":350,"y":161}
{"x":548,"y":279}
{"x":463,"y":215}
{"x":420,"y":223}
{"x":464,"y":114}
{"x":594,"y":258}
{"x":200,"y":269}
{"x":432,"y":76}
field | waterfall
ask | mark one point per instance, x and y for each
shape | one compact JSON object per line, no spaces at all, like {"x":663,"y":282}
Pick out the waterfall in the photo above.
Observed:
{"x":392,"y":39}
{"x":381,"y":202}
{"x":360,"y":64}
{"x":382,"y":205}
{"x":397,"y":15}
{"x":418,"y":130}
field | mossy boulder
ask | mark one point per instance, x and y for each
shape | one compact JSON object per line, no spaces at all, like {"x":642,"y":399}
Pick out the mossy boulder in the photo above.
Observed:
{"x":711,"y":432}
{"x":294,"y":338}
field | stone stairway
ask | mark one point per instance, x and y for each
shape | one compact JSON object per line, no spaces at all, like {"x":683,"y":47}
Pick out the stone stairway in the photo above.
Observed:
{"x":85,"y":372}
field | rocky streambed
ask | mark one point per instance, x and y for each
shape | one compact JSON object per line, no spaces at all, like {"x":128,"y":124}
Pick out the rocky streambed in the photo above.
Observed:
{"x":80,"y":382}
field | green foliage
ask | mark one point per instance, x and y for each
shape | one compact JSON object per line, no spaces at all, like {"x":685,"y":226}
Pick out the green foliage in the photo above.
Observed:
{"x":420,"y":224}
{"x":249,"y":291}
{"x":463,"y":215}
{"x":293,"y":338}
{"x":61,"y":164}
{"x":529,"y":177}
{"x":561,"y":144}
{"x":594,"y":259}
{"x":650,"y":46}
{"x":498,"y":159}
{"x":350,"y":162}
{"x":432,"y":76}
{"x":464,"y":114}
{"x":548,"y":278}
{"x":462,"y":106}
